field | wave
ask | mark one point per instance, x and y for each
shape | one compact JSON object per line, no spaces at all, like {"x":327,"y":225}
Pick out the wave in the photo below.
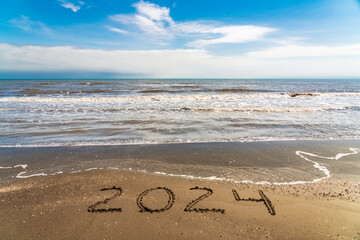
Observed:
{"x":76,"y":131}
{"x":134,"y":121}
{"x":36,"y":91}
{"x":234,"y":90}
{"x":185,"y":86}
{"x":93,"y":83}
{"x":225,"y":90}
{"x":194,"y":109}
{"x":158,"y":91}
{"x":296,"y":94}
{"x":196,"y":97}
{"x":174,"y":141}
{"x":269,"y":109}
{"x":46,"y":83}
{"x":266,"y":125}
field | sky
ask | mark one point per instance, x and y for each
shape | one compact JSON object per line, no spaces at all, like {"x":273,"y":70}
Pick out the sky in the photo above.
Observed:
{"x":180,"y":39}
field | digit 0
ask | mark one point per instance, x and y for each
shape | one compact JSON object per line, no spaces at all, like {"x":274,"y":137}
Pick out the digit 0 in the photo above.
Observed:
{"x":143,"y":208}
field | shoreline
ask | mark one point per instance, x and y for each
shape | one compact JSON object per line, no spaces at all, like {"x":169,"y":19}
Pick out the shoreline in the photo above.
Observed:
{"x":274,"y":163}
{"x":347,"y":139}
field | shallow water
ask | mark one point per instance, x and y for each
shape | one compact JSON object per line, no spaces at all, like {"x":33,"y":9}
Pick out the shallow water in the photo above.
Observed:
{"x":279,"y":163}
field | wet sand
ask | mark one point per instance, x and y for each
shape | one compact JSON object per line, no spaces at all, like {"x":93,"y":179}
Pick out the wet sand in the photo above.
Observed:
{"x":255,"y":161}
{"x":62,"y":207}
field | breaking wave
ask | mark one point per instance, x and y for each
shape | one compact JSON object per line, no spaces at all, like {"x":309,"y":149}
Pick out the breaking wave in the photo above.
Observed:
{"x":195,"y":109}
{"x":167,"y":97}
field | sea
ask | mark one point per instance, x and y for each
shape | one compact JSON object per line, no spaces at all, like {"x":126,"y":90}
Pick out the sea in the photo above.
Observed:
{"x":152,"y":111}
{"x":180,"y":127}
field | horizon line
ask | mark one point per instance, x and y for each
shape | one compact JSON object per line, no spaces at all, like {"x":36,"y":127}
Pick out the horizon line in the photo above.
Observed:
{"x":187,"y":78}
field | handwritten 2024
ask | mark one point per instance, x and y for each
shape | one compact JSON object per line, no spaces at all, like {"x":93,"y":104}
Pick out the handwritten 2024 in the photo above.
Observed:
{"x":189,"y":207}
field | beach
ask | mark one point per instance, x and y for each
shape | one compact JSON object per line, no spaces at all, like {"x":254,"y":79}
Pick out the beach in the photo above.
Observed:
{"x":179,"y":159}
{"x":145,"y":204}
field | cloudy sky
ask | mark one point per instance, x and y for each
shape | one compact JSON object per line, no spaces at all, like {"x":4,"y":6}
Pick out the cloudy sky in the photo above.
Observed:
{"x":180,"y":39}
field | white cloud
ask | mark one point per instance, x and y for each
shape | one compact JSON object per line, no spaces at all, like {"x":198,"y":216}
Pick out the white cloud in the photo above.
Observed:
{"x":169,"y":63}
{"x":192,"y":27}
{"x":66,"y":58}
{"x":149,"y":26}
{"x":25,"y":23}
{"x":153,"y":11}
{"x":117,"y":30}
{"x":292,"y":51}
{"x":122,"y":18}
{"x":156,"y":20}
{"x":71,"y":5}
{"x":150,"y":18}
{"x":235,"y":34}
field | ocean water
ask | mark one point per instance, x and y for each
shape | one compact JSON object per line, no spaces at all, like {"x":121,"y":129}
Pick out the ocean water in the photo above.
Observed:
{"x":35,"y":113}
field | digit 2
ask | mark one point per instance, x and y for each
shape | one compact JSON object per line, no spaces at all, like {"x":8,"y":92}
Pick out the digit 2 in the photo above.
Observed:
{"x":93,"y":209}
{"x":189,"y":208}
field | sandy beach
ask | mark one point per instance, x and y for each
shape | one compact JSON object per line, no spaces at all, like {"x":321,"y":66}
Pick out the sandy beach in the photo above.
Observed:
{"x":166,"y":120}
{"x":123,"y":204}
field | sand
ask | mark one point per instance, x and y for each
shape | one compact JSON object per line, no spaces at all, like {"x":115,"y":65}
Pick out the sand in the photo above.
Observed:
{"x":147,"y":206}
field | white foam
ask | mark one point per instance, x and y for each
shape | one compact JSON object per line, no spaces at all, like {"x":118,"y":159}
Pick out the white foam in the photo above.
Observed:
{"x":270,"y":109}
{"x":21,"y":175}
{"x":302,"y":154}
{"x":151,"y":98}
{"x":23,"y":166}
{"x":340,"y":155}
{"x":94,"y":168}
{"x":173,"y":141}
{"x":59,"y":172}
{"x":112,"y":168}
{"x":299,"y":153}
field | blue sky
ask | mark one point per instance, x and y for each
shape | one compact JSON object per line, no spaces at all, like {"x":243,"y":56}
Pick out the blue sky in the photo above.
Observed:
{"x":230,"y":39}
